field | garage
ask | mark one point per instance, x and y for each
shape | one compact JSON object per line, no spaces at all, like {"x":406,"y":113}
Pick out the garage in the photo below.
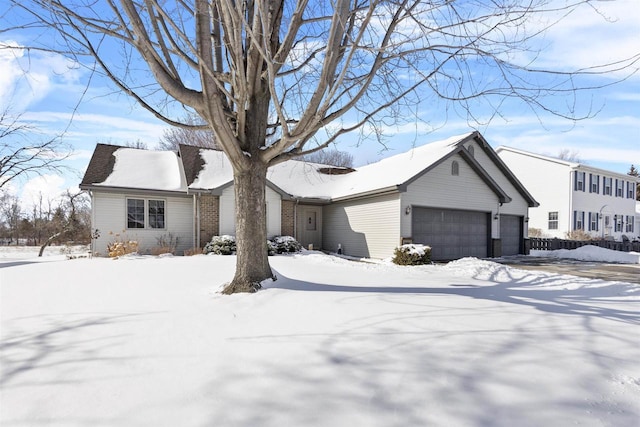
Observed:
{"x":511,"y":234}
{"x":452,"y":234}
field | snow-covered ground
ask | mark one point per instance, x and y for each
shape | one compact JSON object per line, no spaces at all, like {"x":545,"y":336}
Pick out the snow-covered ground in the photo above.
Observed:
{"x":147,"y":341}
{"x":592,"y":253}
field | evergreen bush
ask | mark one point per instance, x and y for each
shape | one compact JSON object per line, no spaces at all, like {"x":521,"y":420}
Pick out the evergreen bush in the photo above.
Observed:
{"x":286,"y":244}
{"x":412,"y":255}
{"x":220,"y":245}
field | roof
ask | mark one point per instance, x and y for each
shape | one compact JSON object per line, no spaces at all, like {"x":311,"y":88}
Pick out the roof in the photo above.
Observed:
{"x":570,"y":165}
{"x":195,"y":169}
{"x":122,"y":167}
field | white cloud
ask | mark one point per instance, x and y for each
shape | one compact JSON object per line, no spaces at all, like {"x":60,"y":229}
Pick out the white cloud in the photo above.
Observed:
{"x":28,"y":77}
{"x":49,"y":187}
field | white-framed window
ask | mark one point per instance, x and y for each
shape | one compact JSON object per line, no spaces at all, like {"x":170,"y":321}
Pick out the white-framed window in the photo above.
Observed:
{"x":594,"y":183}
{"x":146,"y":213}
{"x":619,"y":188}
{"x":631,"y":190}
{"x":606,"y":184}
{"x":455,"y":168}
{"x":579,"y":181}
{"x":578,"y":220}
{"x":553,"y":220}
{"x":629,"y":224}
{"x":471,"y":150}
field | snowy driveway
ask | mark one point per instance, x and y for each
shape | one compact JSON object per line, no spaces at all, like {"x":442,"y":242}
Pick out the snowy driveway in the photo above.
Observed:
{"x":593,"y":270}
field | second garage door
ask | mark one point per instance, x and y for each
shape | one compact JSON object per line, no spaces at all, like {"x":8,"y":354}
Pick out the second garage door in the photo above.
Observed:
{"x":511,"y":234}
{"x":452,"y":234}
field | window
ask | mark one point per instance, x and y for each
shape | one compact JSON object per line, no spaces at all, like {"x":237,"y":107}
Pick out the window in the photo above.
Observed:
{"x":143,"y":213}
{"x":619,"y":188}
{"x":455,"y":168}
{"x":606,"y":184}
{"x":579,"y":181}
{"x":594,"y":183}
{"x":578,"y":220}
{"x":135,"y":213}
{"x":593,"y":221}
{"x":629,"y":226}
{"x":156,"y":213}
{"x":631,"y":190}
{"x":553,"y":220}
{"x":470,"y":150}
{"x":617,"y":222}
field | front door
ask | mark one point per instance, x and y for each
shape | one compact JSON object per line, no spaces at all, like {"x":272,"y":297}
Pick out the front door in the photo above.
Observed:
{"x":309,"y":227}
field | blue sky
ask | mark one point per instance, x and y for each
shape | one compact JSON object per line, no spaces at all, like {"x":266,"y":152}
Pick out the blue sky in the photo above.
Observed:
{"x":47,"y":89}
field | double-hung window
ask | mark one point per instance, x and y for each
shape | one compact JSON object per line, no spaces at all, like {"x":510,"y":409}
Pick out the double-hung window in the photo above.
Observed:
{"x":631,"y":187}
{"x":578,"y":220}
{"x":619,"y":188}
{"x":579,"y":183}
{"x":629,"y":224}
{"x":617,"y":223}
{"x":594,"y":183}
{"x":606,"y":183}
{"x":593,"y":221}
{"x":145,"y":213}
{"x":553,"y":220}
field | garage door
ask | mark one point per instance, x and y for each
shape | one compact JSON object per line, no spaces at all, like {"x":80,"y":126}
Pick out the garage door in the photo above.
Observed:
{"x":511,"y":234}
{"x":452,"y":234}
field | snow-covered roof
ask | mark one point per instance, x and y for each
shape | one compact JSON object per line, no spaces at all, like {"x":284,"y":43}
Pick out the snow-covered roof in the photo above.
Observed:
{"x":305,"y":180}
{"x":569,"y":164}
{"x":202,"y":169}
{"x":142,"y":169}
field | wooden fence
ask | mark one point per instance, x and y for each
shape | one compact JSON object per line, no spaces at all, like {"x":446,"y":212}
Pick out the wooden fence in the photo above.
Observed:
{"x":543,"y":244}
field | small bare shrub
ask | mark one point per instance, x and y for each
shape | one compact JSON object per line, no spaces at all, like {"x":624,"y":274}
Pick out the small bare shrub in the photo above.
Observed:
{"x":535,"y":232}
{"x":167,"y":244}
{"x":120,"y":245}
{"x":578,"y":235}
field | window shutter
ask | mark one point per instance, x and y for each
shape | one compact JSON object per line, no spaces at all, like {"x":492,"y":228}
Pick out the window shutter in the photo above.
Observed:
{"x":616,"y":188}
{"x":575,"y":219}
{"x":589,"y":226}
{"x":597,"y":184}
{"x":590,"y":183}
{"x":575,"y":181}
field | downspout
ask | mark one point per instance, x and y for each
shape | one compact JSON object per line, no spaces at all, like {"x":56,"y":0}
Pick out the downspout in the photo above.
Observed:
{"x":295,"y":219}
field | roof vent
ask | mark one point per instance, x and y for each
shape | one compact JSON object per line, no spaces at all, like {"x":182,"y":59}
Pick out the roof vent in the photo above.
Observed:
{"x":334,"y":170}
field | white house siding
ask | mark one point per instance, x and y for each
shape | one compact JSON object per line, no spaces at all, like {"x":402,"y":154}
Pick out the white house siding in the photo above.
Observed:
{"x":550,"y":184}
{"x":603,"y":205}
{"x":439,"y":189}
{"x":365,"y":228}
{"x":110,"y":218}
{"x":228,"y":212}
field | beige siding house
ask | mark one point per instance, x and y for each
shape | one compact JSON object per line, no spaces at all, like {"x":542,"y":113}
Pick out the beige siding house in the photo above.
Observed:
{"x":455,"y":195}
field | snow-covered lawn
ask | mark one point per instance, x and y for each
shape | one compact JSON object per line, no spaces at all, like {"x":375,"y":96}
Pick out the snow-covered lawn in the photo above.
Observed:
{"x":592,"y":253}
{"x":146,"y":341}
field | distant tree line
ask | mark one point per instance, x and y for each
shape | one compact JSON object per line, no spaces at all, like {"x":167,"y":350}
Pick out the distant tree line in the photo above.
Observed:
{"x":62,"y":220}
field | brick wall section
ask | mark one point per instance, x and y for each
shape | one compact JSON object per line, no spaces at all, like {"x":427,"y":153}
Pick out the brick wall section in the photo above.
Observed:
{"x":287,"y":218}
{"x":209,"y":217}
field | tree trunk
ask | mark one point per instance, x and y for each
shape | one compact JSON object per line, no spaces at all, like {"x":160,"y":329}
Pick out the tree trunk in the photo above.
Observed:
{"x":252,"y":262}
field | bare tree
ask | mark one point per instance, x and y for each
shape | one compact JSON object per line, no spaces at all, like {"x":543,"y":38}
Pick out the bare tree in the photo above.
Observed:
{"x":276,"y":79}
{"x":199,"y":134}
{"x":570,"y":155}
{"x":23,"y":155}
{"x":331,"y":157}
{"x":67,"y":220}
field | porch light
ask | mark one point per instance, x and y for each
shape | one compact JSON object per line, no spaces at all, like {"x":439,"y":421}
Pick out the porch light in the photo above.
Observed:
{"x":407,"y":210}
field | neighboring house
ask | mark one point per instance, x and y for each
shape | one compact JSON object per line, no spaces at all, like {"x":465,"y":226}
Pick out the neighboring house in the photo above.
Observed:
{"x":575,"y":197}
{"x":455,"y":195}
